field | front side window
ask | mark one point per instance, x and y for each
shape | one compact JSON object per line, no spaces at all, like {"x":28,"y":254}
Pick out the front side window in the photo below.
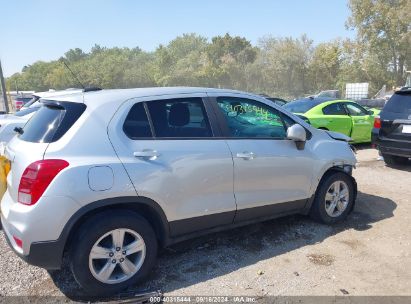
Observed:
{"x":355,"y":110}
{"x":334,"y":109}
{"x":251,"y":119}
{"x":179,"y":118}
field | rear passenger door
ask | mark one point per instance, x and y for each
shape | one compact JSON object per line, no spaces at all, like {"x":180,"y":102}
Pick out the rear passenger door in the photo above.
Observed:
{"x":168,"y":148}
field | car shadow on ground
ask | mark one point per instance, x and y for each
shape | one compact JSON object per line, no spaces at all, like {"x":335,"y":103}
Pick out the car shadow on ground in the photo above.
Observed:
{"x":218,"y":254}
{"x":363,"y":146}
{"x":406,"y":167}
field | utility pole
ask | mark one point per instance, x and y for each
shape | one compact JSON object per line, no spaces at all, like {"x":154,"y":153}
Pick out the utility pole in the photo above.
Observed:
{"x":3,"y":90}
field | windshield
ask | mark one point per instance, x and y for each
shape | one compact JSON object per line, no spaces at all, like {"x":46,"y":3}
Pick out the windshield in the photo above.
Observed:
{"x":299,"y":106}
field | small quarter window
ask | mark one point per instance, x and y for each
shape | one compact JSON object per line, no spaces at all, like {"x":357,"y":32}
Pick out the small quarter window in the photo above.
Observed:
{"x":136,"y":124}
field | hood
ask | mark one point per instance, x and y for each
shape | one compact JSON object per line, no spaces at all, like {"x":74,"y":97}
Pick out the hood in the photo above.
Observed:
{"x":339,"y":136}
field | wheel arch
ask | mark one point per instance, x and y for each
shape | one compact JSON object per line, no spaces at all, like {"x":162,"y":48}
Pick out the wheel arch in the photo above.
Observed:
{"x":328,"y":172}
{"x":143,"y":206}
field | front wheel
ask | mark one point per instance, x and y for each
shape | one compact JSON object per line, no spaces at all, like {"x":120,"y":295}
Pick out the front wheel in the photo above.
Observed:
{"x":112,"y":251}
{"x":334,"y":198}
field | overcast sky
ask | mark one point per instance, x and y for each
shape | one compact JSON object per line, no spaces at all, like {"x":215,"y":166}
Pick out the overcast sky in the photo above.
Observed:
{"x":45,"y":29}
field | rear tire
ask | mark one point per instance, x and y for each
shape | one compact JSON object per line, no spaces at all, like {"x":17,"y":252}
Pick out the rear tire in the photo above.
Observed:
{"x":334,"y":198}
{"x":103,"y":235}
{"x":392,"y":160}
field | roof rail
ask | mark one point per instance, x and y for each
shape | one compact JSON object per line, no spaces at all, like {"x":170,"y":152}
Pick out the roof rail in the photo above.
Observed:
{"x":91,"y":89}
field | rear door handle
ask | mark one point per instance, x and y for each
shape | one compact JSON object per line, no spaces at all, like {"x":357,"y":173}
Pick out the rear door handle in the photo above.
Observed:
{"x":150,"y":154}
{"x":246,"y":155}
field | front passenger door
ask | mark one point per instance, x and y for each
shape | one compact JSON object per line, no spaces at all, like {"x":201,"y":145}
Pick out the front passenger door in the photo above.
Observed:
{"x":270,"y":174}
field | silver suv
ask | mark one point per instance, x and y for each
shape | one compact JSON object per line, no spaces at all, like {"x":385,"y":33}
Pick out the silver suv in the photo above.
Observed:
{"x":108,"y":177}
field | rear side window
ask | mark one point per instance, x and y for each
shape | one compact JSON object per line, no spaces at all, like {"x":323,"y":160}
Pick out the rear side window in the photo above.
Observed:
{"x":136,"y":124}
{"x":334,"y":109}
{"x":399,"y":103}
{"x":52,"y":121}
{"x":179,"y":118}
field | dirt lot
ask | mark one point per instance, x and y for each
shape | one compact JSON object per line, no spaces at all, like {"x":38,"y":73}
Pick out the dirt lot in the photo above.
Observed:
{"x":368,"y":254}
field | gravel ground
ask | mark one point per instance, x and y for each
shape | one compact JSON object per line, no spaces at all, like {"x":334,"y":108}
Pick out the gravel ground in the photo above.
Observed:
{"x":368,"y":254}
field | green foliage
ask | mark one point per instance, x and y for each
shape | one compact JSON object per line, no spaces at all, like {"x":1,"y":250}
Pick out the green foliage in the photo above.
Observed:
{"x":284,"y":67}
{"x":384,"y":35}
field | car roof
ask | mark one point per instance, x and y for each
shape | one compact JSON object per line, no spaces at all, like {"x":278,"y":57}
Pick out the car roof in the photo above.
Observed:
{"x":117,"y":95}
{"x":314,"y":100}
{"x":49,"y":94}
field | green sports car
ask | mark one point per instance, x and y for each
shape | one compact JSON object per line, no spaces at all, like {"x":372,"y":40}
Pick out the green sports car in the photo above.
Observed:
{"x":344,"y":116}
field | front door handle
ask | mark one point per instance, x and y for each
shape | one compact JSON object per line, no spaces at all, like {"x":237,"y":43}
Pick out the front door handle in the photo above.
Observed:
{"x":246,"y":155}
{"x":150,"y":154}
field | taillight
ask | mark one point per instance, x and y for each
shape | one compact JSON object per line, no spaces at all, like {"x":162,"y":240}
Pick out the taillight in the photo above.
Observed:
{"x":18,"y":242}
{"x":37,"y":177}
{"x":377,"y":122}
{"x":19,"y":105}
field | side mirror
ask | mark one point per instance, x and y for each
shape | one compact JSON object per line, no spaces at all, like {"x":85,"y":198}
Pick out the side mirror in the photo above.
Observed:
{"x":370,"y":112}
{"x":297,"y":134}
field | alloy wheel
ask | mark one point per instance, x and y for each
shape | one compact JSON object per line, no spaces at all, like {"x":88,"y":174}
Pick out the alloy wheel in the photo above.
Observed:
{"x":117,"y":256}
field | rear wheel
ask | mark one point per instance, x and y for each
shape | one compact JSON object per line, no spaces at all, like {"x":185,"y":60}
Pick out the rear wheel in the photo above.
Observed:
{"x":334,"y":198}
{"x":392,"y":160}
{"x":113,"y":251}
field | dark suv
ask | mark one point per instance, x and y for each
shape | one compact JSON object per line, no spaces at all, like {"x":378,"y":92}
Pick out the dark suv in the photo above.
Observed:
{"x":392,"y":130}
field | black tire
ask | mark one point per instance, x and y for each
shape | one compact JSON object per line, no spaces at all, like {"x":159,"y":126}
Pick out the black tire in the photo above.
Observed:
{"x":318,"y":211}
{"x":392,"y":160}
{"x":91,"y":231}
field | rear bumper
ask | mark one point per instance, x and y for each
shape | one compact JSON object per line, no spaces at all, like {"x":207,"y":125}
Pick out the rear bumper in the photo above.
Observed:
{"x":391,"y":146}
{"x":47,"y":255}
{"x":39,"y":227}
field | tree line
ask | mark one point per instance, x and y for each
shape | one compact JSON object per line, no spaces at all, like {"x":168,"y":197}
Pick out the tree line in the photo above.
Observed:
{"x":277,"y":66}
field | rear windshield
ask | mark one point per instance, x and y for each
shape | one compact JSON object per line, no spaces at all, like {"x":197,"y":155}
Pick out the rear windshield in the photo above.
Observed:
{"x":299,"y":106}
{"x":51,"y":121}
{"x":399,"y":103}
